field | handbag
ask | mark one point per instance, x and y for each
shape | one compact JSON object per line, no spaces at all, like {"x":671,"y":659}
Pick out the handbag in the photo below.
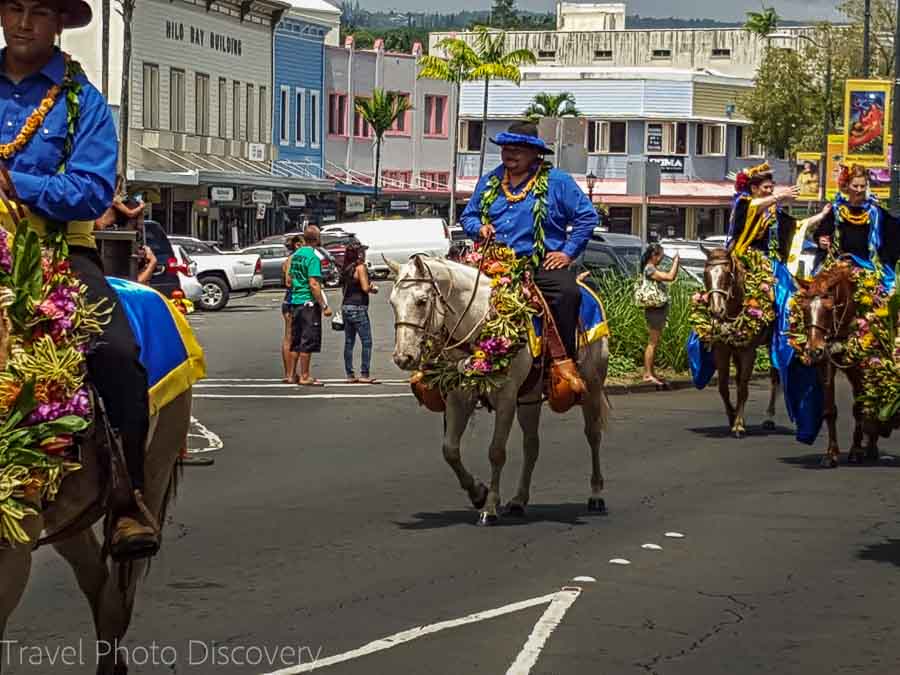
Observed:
{"x":337,"y":322}
{"x":649,"y":294}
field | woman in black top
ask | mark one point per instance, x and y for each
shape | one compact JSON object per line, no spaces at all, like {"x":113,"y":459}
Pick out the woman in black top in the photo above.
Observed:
{"x":355,"y":310}
{"x":858,"y":226}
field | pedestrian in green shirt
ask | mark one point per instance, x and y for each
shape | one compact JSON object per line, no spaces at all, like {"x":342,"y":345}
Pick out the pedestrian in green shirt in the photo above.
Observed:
{"x":308,"y":305}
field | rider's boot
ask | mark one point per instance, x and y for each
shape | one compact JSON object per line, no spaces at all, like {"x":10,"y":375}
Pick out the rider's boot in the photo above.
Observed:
{"x":135,"y":533}
{"x":566,"y":370}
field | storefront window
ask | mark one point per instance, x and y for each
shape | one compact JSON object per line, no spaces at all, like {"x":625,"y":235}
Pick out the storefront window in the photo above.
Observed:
{"x":664,"y":222}
{"x":619,"y":219}
{"x":710,"y":221}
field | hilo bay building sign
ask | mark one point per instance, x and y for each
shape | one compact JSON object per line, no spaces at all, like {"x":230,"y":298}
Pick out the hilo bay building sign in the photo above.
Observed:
{"x":176,"y":30}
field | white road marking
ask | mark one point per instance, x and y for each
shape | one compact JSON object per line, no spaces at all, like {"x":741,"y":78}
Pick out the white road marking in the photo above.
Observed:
{"x":341,"y":380}
{"x":322,"y":396}
{"x":421,"y":631}
{"x":545,"y":626}
{"x":294,"y":386}
{"x":590,"y":580}
{"x":652,"y":547}
{"x":212,"y":439}
{"x":619,"y":561}
{"x":674,"y":535}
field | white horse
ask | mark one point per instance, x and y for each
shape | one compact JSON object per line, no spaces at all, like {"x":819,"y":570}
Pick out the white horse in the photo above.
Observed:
{"x":433,"y":295}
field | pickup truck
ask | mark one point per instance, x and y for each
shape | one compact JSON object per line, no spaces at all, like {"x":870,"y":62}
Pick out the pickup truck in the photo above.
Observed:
{"x":221,"y":274}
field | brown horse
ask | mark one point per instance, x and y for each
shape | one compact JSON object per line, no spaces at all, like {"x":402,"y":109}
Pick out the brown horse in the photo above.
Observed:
{"x":829,"y":310}
{"x":724,"y":277}
{"x":109,"y":588}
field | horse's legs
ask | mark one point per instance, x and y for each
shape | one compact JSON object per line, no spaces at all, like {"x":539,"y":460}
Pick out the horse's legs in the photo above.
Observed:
{"x":503,"y":421}
{"x":857,"y":453}
{"x":744,"y":359}
{"x":595,"y":410}
{"x":82,"y":552}
{"x":459,"y":410}
{"x":769,"y":422}
{"x":829,"y":414}
{"x":15,"y":568}
{"x":722,"y":356}
{"x":529,"y":416}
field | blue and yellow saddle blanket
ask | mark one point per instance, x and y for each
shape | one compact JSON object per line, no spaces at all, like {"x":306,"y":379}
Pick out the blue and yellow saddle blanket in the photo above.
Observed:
{"x":169,"y":350}
{"x":592,"y":322}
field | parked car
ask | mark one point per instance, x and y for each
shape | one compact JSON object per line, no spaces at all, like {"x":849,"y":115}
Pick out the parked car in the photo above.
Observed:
{"x":187,"y":275}
{"x":397,"y":240}
{"x":807,"y":257}
{"x":165,"y":277}
{"x":621,"y":254}
{"x":692,"y":256}
{"x":274,"y":255}
{"x":222,"y":274}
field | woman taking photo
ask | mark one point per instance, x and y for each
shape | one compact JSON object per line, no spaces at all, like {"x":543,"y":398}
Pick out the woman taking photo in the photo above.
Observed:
{"x":355,"y":311}
{"x":287,"y":313}
{"x":656,"y":316}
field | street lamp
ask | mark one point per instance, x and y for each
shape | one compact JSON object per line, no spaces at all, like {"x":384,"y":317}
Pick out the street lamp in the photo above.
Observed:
{"x":591,"y":181}
{"x":788,"y":41}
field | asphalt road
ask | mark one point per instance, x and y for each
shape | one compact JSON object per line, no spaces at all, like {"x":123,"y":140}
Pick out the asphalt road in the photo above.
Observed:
{"x":329,"y":523}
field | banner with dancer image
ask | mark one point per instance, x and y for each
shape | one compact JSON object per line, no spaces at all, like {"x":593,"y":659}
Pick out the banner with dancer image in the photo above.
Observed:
{"x":807,"y":169}
{"x":879,"y":172}
{"x":867,"y":113}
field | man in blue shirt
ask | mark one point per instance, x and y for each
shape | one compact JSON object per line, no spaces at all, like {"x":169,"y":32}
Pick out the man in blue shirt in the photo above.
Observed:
{"x":511,"y":219}
{"x":68,"y":176}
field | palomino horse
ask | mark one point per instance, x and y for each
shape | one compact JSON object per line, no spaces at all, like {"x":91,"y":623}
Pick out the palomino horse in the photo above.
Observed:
{"x":724,"y":278}
{"x":829,"y":311}
{"x":109,"y":588}
{"x":434,"y":297}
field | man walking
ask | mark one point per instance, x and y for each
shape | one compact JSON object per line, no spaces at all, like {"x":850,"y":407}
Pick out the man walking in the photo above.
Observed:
{"x":308,"y":301}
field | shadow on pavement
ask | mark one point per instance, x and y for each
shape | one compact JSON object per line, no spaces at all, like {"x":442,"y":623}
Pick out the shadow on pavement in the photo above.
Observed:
{"x":813,"y":462}
{"x":565,"y":514}
{"x":886,"y":552}
{"x":753,"y":431}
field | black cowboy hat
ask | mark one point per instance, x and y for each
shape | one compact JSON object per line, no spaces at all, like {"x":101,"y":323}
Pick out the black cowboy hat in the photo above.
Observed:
{"x":75,"y":13}
{"x":523,"y":133}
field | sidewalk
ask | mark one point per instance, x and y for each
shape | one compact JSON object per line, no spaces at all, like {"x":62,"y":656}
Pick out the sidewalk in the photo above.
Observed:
{"x":616,"y":385}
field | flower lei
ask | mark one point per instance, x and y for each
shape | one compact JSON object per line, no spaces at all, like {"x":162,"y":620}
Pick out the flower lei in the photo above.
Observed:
{"x":540,"y":185}
{"x":757,"y":311}
{"x":45,"y":330}
{"x":501,"y":337}
{"x":872,"y":343}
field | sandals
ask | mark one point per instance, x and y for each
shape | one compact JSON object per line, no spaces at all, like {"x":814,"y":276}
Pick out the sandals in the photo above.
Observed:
{"x":367,"y":380}
{"x":310,"y":383}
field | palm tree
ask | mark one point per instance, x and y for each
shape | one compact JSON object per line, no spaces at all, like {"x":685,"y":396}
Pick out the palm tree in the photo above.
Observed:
{"x":381,"y":112}
{"x":104,"y":49}
{"x":455,"y":69}
{"x":552,"y":105}
{"x":762,"y":23}
{"x":126,"y":11}
{"x":497,"y":64}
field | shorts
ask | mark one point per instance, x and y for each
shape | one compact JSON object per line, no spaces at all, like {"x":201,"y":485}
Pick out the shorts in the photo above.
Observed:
{"x":656,"y":316}
{"x":306,"y":329}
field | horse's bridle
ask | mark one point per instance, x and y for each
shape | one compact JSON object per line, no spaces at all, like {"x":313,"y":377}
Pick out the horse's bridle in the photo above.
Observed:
{"x":729,"y":294}
{"x":431,"y":280}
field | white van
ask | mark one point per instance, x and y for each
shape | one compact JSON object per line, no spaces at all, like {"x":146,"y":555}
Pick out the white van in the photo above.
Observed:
{"x":397,"y":240}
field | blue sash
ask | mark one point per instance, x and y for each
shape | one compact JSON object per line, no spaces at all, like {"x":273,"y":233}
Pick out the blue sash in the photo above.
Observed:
{"x":701,"y":361}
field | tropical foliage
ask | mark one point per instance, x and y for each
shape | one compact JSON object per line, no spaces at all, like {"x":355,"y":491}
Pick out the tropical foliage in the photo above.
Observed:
{"x":762,"y":23}
{"x":381,"y":112}
{"x":552,"y":105}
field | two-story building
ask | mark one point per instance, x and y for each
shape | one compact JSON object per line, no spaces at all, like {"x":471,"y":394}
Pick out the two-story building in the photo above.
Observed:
{"x":416,"y":152}
{"x":685,"y":121}
{"x":299,"y":106}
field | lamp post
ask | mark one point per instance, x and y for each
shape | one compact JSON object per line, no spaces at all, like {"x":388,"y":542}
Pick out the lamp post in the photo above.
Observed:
{"x":786,"y":40}
{"x":895,"y":156}
{"x":591,"y":181}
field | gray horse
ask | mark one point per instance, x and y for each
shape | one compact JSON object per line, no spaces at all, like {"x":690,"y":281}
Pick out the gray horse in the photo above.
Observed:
{"x":431,"y":295}
{"x":109,"y":588}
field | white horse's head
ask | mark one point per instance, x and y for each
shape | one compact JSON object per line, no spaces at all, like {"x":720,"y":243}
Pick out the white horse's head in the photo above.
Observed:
{"x":419,"y":305}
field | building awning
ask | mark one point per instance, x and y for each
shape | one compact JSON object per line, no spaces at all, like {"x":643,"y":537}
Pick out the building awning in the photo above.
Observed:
{"x":354,"y":189}
{"x":178,"y":167}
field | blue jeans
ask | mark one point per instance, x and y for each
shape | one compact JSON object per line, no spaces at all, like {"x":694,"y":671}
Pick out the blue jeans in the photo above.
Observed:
{"x":356,"y":322}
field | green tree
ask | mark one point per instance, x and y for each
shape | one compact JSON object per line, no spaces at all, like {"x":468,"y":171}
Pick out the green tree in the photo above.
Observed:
{"x":455,"y":69}
{"x":381,"y":112}
{"x":552,"y":105}
{"x":762,"y":23}
{"x":504,"y":14}
{"x":881,"y":36}
{"x":495,"y":63}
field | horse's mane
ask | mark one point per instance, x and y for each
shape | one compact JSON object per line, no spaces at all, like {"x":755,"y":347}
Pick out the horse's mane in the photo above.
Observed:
{"x":827,"y":279}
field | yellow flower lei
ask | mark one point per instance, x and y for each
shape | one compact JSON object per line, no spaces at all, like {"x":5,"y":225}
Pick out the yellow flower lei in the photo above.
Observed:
{"x":854,"y":219}
{"x":514,"y":199}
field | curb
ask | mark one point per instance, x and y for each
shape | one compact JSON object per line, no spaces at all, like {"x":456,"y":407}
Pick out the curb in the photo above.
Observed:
{"x":674,"y":385}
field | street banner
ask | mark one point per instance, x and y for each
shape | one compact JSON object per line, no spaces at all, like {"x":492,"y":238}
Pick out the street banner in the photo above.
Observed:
{"x":808,"y":166}
{"x":867,"y":113}
{"x":879,"y":172}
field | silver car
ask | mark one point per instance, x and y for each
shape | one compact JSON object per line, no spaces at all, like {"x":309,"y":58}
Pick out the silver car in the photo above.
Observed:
{"x":273,"y":256}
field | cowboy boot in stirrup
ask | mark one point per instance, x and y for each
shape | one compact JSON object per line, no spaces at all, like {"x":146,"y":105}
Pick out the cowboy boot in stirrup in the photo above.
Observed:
{"x":136,"y":533}
{"x":566,"y":370}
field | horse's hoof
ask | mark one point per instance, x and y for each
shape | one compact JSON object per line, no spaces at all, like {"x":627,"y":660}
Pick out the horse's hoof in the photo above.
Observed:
{"x":738,"y":433}
{"x":488,"y":519}
{"x":829,"y":462}
{"x":481,"y":500}
{"x":872,"y":455}
{"x":855,"y":457}
{"x":596,"y":505}
{"x":768,"y":425}
{"x":515,"y":510}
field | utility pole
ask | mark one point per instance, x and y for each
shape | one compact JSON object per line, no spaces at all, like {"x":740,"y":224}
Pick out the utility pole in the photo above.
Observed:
{"x":895,"y":156}
{"x":867,"y":22}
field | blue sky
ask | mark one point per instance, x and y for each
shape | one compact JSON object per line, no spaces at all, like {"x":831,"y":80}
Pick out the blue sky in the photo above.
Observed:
{"x":812,"y":10}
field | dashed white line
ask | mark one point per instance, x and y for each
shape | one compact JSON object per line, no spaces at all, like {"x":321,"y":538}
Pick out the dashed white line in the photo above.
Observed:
{"x":300,"y":396}
{"x":421,"y":631}
{"x":294,"y":386}
{"x":545,"y":626}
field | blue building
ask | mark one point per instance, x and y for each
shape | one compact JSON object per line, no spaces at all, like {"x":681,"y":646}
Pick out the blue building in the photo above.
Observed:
{"x":298,"y":100}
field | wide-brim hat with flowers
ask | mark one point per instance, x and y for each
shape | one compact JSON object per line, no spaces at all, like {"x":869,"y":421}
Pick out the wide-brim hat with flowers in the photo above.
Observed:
{"x":523,"y":133}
